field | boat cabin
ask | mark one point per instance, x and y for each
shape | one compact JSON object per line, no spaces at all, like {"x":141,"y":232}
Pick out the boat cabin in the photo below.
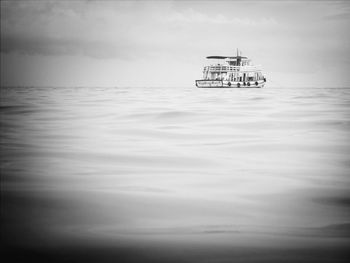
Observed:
{"x":238,"y":69}
{"x":231,"y":71}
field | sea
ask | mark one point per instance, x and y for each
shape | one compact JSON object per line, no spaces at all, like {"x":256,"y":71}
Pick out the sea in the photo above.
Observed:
{"x":131,"y":174}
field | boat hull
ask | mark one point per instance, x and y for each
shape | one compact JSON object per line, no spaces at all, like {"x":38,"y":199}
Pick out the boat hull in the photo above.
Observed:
{"x":229,"y":84}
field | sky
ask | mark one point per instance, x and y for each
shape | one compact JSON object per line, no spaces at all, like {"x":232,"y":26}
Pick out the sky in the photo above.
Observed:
{"x":164,"y":43}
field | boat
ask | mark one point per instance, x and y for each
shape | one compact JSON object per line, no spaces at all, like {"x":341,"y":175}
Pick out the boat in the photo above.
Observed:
{"x":232,"y":72}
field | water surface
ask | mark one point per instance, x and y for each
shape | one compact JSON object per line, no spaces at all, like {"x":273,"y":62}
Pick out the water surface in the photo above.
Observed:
{"x":176,"y":174}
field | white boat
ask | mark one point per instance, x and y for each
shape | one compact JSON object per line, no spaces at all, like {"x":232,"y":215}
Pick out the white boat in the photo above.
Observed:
{"x":231,"y":72}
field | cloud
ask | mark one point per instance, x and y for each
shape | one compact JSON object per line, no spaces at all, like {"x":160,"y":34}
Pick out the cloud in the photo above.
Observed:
{"x":61,"y":28}
{"x":342,"y":16}
{"x":192,"y":16}
{"x":177,"y":33}
{"x":114,"y":29}
{"x":64,"y":46}
{"x":108,"y":30}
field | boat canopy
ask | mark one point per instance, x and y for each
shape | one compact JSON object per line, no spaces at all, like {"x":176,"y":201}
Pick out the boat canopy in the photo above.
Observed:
{"x":224,"y":57}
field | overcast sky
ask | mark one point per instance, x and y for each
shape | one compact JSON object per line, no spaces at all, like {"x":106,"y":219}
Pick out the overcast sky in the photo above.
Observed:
{"x":164,"y":43}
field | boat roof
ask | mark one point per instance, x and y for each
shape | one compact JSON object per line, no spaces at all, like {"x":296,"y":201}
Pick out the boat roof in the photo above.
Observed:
{"x":224,"y":57}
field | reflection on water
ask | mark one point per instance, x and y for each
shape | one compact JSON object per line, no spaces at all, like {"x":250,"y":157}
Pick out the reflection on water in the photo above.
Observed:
{"x":226,"y":171}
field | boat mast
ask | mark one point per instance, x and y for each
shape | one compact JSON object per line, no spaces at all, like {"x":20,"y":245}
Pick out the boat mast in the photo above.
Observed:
{"x":238,"y":58}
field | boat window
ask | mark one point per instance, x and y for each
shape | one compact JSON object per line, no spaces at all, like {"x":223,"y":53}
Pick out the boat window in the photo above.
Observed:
{"x":251,"y":76}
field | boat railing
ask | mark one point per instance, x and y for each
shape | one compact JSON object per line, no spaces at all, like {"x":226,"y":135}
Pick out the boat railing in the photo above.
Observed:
{"x":220,"y":68}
